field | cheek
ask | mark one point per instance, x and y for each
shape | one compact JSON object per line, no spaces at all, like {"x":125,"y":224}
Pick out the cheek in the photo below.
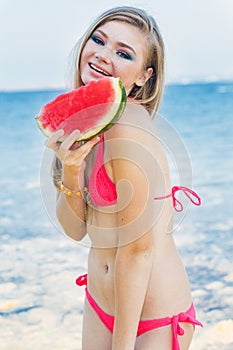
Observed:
{"x":129,"y":75}
{"x":89,"y":48}
{"x":125,"y":70}
{"x":87,"y":51}
{"x":83,"y":57}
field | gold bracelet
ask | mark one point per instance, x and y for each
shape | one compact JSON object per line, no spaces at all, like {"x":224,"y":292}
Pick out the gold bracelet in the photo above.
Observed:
{"x":69,"y":192}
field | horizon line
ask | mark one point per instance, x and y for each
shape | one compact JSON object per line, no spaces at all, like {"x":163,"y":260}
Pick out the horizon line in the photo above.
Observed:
{"x":183,"y":81}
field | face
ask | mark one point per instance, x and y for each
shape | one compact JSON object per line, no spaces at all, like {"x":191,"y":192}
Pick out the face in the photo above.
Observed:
{"x":115,"y":49}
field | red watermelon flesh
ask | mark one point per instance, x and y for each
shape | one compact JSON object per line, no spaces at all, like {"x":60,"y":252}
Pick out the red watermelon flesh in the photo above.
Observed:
{"x":92,"y":109}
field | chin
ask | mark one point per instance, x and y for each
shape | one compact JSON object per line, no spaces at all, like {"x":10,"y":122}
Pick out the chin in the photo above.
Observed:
{"x":87,"y":80}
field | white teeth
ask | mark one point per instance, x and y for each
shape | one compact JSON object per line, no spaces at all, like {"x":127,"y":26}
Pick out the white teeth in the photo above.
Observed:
{"x":99,"y":70}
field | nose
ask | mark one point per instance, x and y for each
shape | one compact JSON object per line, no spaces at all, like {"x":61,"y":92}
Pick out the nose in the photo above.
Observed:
{"x":104,"y":54}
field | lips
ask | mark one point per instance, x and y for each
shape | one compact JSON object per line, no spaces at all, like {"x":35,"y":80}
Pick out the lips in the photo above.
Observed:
{"x":99,"y":70}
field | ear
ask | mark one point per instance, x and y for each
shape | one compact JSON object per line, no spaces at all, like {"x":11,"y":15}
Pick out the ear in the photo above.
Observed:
{"x":144,"y":77}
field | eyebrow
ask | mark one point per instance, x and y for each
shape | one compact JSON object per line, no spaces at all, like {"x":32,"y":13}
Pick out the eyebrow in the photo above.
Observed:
{"x":119,"y":42}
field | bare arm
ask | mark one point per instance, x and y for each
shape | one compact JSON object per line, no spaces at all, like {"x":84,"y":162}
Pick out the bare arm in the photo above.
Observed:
{"x":135,"y":244}
{"x":132,"y":272}
{"x":71,"y":211}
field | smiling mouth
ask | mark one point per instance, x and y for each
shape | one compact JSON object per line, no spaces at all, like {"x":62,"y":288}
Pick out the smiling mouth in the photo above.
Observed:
{"x":106,"y":74}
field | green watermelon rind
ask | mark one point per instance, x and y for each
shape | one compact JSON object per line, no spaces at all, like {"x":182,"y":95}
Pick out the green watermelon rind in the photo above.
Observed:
{"x":44,"y":131}
{"x":103,"y":126}
{"x":116,"y":116}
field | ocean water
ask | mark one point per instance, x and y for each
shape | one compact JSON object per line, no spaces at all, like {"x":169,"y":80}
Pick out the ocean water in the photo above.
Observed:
{"x":40,"y":305}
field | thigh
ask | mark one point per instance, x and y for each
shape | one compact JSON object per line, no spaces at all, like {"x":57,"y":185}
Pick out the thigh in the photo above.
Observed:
{"x":161,"y":338}
{"x":95,"y":334}
{"x":156,"y":339}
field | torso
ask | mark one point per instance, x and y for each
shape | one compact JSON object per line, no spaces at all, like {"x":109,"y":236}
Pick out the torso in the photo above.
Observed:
{"x":164,"y":295}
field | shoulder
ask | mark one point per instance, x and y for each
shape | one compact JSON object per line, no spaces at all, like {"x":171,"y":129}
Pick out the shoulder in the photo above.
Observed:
{"x":135,"y":117}
{"x":134,"y":127}
{"x":133,"y":140}
{"x":134,"y":146}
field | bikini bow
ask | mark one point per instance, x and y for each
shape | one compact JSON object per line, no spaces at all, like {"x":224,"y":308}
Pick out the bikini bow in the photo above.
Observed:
{"x":178,"y":330}
{"x":192,"y":195}
{"x":178,"y":206}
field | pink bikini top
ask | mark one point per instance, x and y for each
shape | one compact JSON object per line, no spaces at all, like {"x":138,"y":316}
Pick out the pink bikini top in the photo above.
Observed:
{"x":103,"y":191}
{"x":101,"y":188}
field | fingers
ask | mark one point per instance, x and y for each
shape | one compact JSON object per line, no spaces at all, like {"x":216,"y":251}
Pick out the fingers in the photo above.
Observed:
{"x":51,"y":142}
{"x":78,"y":155}
{"x":70,"y":140}
{"x":70,"y":151}
{"x":54,"y":141}
{"x":91,"y":143}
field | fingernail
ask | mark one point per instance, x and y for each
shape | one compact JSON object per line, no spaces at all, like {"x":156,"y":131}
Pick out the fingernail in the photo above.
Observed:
{"x":76,"y":133}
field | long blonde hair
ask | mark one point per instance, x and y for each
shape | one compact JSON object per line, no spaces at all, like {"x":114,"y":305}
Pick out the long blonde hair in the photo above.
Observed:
{"x":149,"y":95}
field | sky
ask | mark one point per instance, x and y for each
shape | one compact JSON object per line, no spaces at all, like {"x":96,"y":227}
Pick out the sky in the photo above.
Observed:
{"x":36,"y":37}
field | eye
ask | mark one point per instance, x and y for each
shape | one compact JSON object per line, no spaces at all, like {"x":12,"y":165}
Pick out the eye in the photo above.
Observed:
{"x":97,"y":40}
{"x":124,"y":55}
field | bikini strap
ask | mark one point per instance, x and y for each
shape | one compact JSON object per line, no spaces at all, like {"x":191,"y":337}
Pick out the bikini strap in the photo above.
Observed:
{"x":177,"y":205}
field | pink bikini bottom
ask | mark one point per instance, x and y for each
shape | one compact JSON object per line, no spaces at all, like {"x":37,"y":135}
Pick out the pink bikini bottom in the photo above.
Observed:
{"x":145,"y":325}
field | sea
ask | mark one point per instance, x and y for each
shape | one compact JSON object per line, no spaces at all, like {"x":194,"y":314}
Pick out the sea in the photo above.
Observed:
{"x":40,"y":305}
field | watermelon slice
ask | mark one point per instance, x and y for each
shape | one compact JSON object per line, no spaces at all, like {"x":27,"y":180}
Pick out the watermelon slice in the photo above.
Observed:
{"x":92,"y":109}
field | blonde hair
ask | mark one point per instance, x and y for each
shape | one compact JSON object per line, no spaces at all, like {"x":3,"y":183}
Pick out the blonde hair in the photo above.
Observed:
{"x":149,"y":95}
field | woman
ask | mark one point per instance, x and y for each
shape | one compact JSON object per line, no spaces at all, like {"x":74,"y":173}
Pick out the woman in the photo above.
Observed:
{"x":137,"y":294}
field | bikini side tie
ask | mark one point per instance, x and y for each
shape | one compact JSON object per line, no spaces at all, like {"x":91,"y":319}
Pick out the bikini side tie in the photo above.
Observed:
{"x":177,"y":329}
{"x":177,"y":205}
